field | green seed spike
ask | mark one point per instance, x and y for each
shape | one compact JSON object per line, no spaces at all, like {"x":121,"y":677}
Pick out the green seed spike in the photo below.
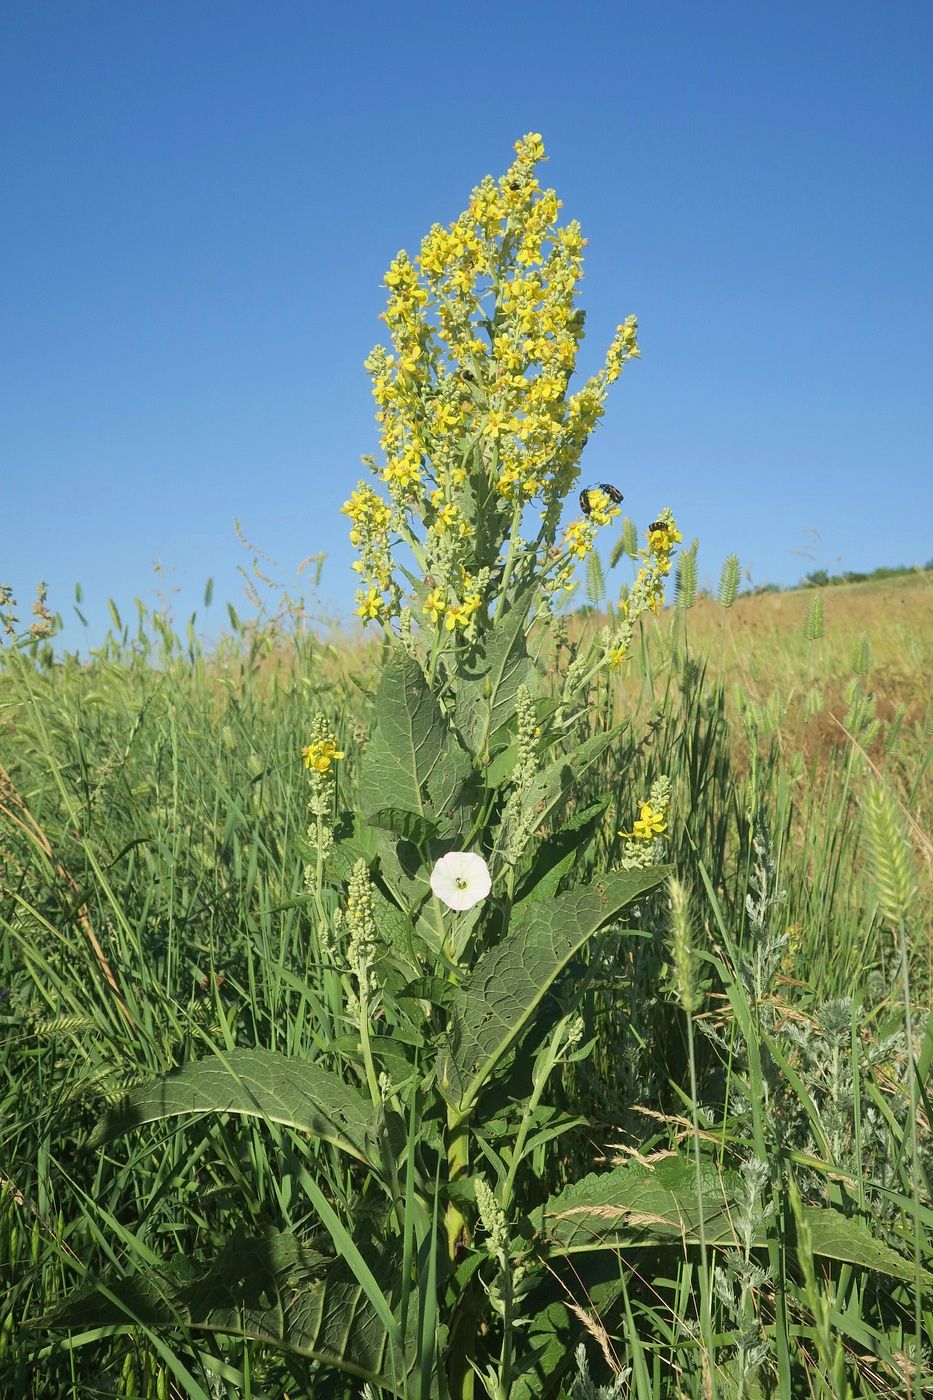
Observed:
{"x":729,"y":581}
{"x":627,"y":543}
{"x":595,"y":579}
{"x":686,"y":586}
{"x":813,"y":627}
{"x":814,"y":702}
{"x":861,"y":658}
{"x":889,"y":857}
{"x":681,"y":945}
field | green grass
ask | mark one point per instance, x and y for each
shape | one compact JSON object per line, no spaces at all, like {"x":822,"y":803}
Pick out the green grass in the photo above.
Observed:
{"x":153,"y":905}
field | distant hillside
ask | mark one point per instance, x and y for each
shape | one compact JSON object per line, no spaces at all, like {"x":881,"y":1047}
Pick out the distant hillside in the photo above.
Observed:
{"x":819,"y":578}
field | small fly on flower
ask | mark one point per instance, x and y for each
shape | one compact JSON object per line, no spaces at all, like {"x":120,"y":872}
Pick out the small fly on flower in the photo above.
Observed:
{"x":613,"y":492}
{"x":656,"y":525}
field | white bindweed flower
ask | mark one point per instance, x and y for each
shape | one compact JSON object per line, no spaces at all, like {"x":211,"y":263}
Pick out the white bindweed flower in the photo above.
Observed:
{"x":460,"y":879}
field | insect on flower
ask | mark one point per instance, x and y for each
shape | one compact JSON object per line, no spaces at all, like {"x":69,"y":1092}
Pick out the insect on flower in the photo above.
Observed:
{"x":613,"y":492}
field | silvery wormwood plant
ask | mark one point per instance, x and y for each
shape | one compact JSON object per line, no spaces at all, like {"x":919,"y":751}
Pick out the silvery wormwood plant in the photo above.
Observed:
{"x":447,"y":913}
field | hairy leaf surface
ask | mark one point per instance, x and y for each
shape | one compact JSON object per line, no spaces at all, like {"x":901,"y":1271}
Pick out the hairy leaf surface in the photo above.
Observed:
{"x":258,"y":1083}
{"x":487,"y":689}
{"x":508,"y":982}
{"x":269,"y":1289}
{"x":413,"y":762}
{"x":634,"y":1205}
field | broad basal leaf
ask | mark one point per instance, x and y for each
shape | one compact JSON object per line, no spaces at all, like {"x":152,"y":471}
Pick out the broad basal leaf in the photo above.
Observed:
{"x":258,"y":1083}
{"x":269,"y":1289}
{"x":635,"y":1205}
{"x":500,"y":995}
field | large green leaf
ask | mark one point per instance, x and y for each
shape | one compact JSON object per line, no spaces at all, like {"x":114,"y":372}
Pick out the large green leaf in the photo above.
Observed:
{"x":555,"y":783}
{"x":636,"y":1205}
{"x":271,"y":1289}
{"x":259,"y":1083}
{"x":500,"y":995}
{"x":413,"y":763}
{"x":489,"y":681}
{"x":557,"y":854}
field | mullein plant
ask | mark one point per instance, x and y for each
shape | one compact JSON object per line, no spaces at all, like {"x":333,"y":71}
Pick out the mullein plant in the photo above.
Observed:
{"x":447,"y":913}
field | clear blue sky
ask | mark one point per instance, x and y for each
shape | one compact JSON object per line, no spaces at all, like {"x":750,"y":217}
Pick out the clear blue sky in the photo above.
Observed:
{"x":200,"y":200}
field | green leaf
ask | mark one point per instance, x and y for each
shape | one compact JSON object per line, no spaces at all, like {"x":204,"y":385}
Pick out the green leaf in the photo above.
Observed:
{"x":634,"y":1205}
{"x":361,"y":845}
{"x":256,"y":1083}
{"x":409,"y":825}
{"x":413,"y":763}
{"x":271,"y":1289}
{"x":552,"y":787}
{"x":500,"y":995}
{"x":853,"y":1241}
{"x":557,"y":854}
{"x":489,"y":683}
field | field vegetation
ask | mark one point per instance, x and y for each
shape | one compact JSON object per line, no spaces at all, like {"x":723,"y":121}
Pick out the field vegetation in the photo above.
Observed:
{"x":638,"y":1105}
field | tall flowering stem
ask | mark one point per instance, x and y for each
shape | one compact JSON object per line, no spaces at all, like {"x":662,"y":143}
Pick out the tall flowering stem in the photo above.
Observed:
{"x":480,"y":434}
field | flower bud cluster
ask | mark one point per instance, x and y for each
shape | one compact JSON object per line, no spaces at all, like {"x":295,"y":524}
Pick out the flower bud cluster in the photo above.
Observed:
{"x":359,"y":921}
{"x":498,"y":1245}
{"x":518,"y":813}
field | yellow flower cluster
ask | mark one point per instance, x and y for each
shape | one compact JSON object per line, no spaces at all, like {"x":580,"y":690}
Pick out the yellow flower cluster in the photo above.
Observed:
{"x":580,"y":535}
{"x":370,"y":532}
{"x":648,"y":824}
{"x":475,"y":417}
{"x":663,"y":535}
{"x":457,"y":612}
{"x":321,"y":753}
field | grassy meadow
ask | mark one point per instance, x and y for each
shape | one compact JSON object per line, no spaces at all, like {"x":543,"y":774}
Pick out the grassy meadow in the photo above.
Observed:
{"x":155,"y":909}
{"x":527,"y":1004}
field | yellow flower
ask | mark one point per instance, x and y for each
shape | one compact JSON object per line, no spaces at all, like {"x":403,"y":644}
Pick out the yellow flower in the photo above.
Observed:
{"x":602,"y":508}
{"x":617,"y":656}
{"x":462,"y":280}
{"x":446,"y":516}
{"x":369,"y":605}
{"x":459,"y":614}
{"x":663,"y":535}
{"x":321,"y":754}
{"x":649,"y":825}
{"x":577,"y":539}
{"x":405,"y":471}
{"x":499,"y":422}
{"x":435,"y":603}
{"x":445,"y":417}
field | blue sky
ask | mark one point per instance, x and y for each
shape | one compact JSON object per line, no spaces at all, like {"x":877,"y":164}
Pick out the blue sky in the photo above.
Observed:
{"x":201,"y":200}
